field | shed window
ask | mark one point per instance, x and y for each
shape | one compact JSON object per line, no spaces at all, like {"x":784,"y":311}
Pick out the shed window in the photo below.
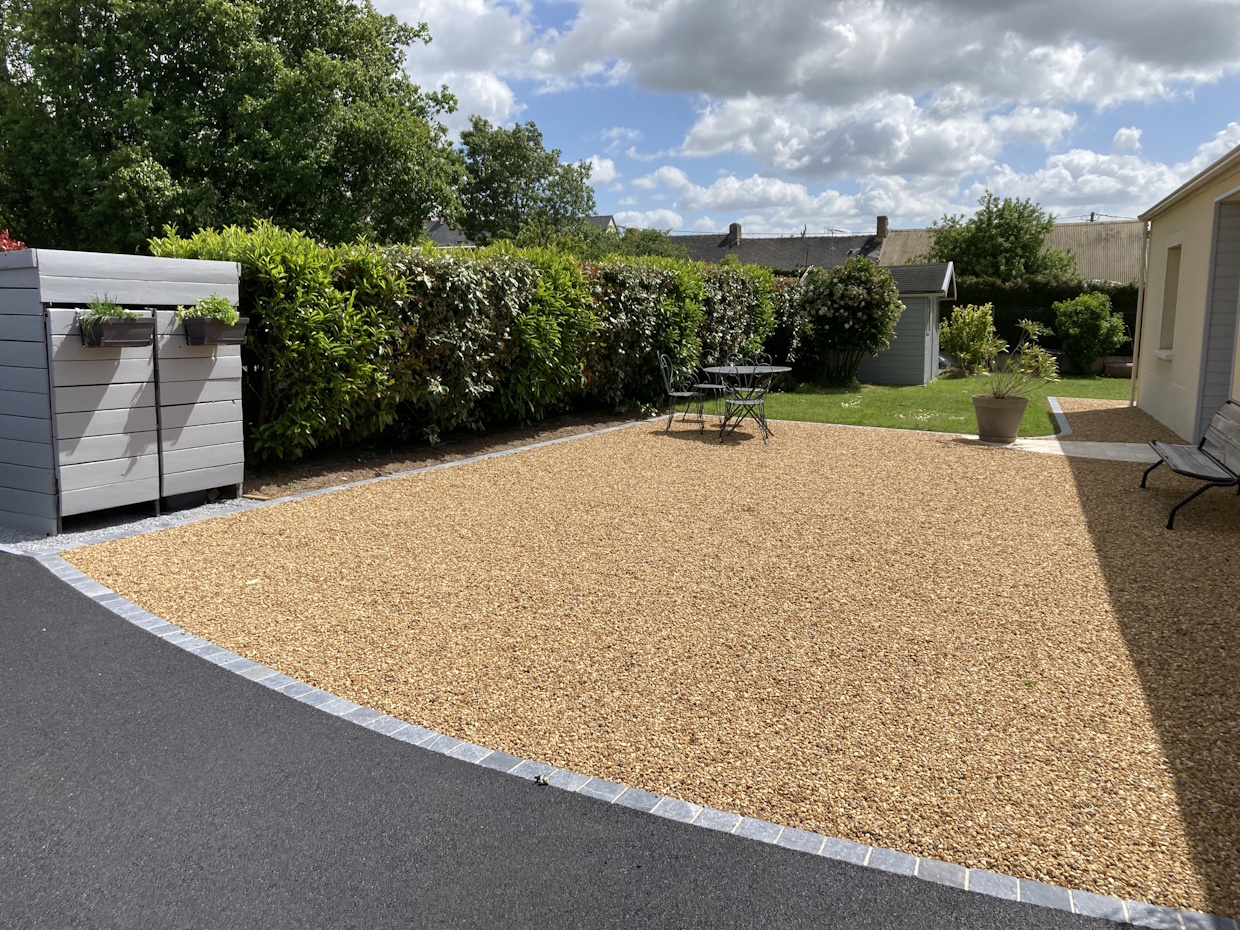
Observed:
{"x":1171,"y":292}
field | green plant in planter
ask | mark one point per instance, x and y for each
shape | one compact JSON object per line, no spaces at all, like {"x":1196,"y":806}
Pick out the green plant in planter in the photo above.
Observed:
{"x":102,"y":308}
{"x":214,"y":307}
{"x":1026,"y":366}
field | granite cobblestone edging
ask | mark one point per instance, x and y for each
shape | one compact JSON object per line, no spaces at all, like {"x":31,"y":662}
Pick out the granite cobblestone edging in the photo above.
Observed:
{"x":978,"y":881}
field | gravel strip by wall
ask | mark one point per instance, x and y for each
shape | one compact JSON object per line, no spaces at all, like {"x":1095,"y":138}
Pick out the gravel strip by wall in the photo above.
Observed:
{"x":974,"y":655}
{"x":1112,"y":421}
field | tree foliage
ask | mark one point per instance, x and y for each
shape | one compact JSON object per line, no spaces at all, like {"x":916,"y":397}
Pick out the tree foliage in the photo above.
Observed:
{"x":594,"y":243}
{"x":969,"y":337}
{"x":120,"y":116}
{"x":850,"y":312}
{"x":1005,"y":239}
{"x":1089,"y":329}
{"x":513,"y":182}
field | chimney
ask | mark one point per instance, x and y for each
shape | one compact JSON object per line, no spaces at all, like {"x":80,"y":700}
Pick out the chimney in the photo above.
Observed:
{"x":882,"y":228}
{"x":734,"y":235}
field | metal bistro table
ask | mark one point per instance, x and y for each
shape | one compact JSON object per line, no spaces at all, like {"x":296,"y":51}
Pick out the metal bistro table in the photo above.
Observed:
{"x":748,"y":386}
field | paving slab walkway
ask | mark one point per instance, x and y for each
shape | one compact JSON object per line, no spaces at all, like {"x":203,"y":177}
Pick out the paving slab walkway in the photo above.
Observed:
{"x":144,"y":786}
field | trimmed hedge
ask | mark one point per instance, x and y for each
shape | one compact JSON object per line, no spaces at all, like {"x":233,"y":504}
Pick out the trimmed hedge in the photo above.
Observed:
{"x":347,"y":342}
{"x":1035,"y":300}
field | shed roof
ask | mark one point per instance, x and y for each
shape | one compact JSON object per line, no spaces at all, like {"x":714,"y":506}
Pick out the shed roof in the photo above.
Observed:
{"x":1105,"y":251}
{"x":606,"y":220}
{"x":1228,"y":162}
{"x":933,"y":279}
{"x":445,"y":236}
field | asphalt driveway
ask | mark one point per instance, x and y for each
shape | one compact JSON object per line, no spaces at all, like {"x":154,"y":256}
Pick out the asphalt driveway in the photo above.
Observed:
{"x":141,"y":786}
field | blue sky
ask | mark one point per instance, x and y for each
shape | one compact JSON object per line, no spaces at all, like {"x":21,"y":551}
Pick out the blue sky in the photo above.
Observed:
{"x":781,"y":114}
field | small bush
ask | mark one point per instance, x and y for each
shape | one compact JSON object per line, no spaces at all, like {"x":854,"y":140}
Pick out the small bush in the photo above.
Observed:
{"x":969,"y":337}
{"x":851,"y":312}
{"x":1089,"y":329}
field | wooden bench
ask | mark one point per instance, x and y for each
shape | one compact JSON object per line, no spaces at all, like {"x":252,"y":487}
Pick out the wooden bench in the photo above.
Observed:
{"x":1215,"y":460}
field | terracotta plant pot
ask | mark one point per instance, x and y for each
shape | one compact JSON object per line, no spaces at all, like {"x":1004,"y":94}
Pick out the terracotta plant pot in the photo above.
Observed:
{"x":204,"y":331}
{"x":998,"y":418}
{"x":118,"y":332}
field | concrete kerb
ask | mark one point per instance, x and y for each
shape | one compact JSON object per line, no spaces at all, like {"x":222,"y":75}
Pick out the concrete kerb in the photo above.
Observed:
{"x":977,"y":881}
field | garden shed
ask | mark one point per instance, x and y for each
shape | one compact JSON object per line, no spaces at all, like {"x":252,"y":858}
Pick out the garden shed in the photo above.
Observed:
{"x":84,"y":427}
{"x":913,"y":356}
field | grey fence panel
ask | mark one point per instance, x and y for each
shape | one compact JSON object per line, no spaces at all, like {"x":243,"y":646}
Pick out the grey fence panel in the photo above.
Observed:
{"x":110,"y":371}
{"x":30,"y":454}
{"x":22,"y":478}
{"x":21,"y":328}
{"x":64,"y":263}
{"x":179,"y":460}
{"x":218,"y":368}
{"x":102,"y":448}
{"x":30,"y":502}
{"x":105,"y":422}
{"x":139,"y":468}
{"x":117,"y":494}
{"x":141,"y":293}
{"x":188,"y":481}
{"x":104,"y":397}
{"x":25,"y":429}
{"x":22,"y":355}
{"x":196,"y":437}
{"x":69,"y":348}
{"x":25,"y":404}
{"x":203,"y":414}
{"x":24,"y":380}
{"x":19,"y":279}
{"x":43,"y":526}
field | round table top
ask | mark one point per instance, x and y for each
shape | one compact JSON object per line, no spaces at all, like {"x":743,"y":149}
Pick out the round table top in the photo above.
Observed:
{"x":747,"y":369}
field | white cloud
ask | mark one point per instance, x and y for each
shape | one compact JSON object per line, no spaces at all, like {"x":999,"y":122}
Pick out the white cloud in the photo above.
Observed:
{"x":650,"y":219}
{"x":1127,"y":139}
{"x":602,"y":170}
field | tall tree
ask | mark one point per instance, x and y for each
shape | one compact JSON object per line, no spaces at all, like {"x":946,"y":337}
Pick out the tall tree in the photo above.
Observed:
{"x":118,"y":116}
{"x":512,"y":182}
{"x":1004,"y":239}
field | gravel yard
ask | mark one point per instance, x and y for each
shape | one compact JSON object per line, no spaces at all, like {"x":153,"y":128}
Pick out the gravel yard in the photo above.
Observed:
{"x":989,"y":657}
{"x":1112,"y":421}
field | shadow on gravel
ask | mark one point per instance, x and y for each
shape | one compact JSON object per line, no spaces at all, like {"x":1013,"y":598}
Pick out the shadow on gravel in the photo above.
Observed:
{"x":1177,"y":600}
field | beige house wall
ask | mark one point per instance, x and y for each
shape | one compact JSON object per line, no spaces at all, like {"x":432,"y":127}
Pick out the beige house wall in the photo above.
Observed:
{"x":1169,"y":380}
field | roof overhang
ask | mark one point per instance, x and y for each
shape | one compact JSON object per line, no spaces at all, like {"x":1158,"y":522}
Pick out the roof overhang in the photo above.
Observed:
{"x":1188,"y":188}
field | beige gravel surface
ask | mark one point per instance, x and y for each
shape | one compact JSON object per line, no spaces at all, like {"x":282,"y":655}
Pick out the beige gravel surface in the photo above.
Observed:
{"x":1112,"y":421}
{"x":995,"y":659}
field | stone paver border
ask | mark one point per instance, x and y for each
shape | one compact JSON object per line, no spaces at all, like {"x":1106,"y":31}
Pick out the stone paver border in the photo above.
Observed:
{"x":979,"y":881}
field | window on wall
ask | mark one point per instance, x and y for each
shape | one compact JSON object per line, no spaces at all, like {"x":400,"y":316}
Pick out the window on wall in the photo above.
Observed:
{"x":1171,"y":291}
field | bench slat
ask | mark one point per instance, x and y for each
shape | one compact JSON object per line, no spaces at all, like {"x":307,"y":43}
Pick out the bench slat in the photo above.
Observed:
{"x":1190,"y":461}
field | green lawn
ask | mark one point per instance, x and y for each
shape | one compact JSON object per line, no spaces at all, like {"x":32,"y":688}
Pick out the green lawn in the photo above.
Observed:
{"x":944,"y":405}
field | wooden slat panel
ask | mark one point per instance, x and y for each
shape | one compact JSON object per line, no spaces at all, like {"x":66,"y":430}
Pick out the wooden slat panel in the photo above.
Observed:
{"x":113,"y":495}
{"x":23,"y":478}
{"x":20,"y":279}
{"x":56,"y":290}
{"x":199,"y":369}
{"x":21,"y":328}
{"x":206,"y":457}
{"x":65,"y":323}
{"x":66,"y":263}
{"x":28,"y":502}
{"x":102,"y":448}
{"x":196,"y":392}
{"x":202,"y":414}
{"x":25,"y":355}
{"x":70,"y":349}
{"x":104,"y":397}
{"x":20,"y":404}
{"x":25,"y":429}
{"x":105,"y":422}
{"x":108,"y":371}
{"x":174,"y":347}
{"x":43,"y":526}
{"x":195,"y":437}
{"x":30,"y":454}
{"x":202,"y":479}
{"x":25,"y":380}
{"x":114,"y":471}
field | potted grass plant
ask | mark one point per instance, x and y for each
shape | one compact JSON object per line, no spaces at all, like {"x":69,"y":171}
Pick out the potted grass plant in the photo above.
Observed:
{"x":1010,"y":378}
{"x":107,"y":324}
{"x":212,"y":321}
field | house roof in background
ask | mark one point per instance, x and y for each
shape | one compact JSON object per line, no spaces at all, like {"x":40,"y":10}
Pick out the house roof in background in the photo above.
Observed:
{"x":936,"y":279}
{"x":445,"y":236}
{"x":1105,"y":251}
{"x":784,"y":253}
{"x":605,"y":220}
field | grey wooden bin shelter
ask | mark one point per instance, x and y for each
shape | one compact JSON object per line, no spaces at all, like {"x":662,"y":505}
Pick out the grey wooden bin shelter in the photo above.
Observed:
{"x":913,"y":356}
{"x":89,"y":428}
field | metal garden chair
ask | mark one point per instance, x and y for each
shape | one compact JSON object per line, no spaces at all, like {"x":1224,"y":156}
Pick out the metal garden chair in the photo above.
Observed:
{"x":747,"y":400}
{"x":677,"y":395}
{"x":713,"y":387}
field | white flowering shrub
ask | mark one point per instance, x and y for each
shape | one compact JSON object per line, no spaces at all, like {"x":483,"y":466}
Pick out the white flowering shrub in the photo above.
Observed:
{"x":850,"y":312}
